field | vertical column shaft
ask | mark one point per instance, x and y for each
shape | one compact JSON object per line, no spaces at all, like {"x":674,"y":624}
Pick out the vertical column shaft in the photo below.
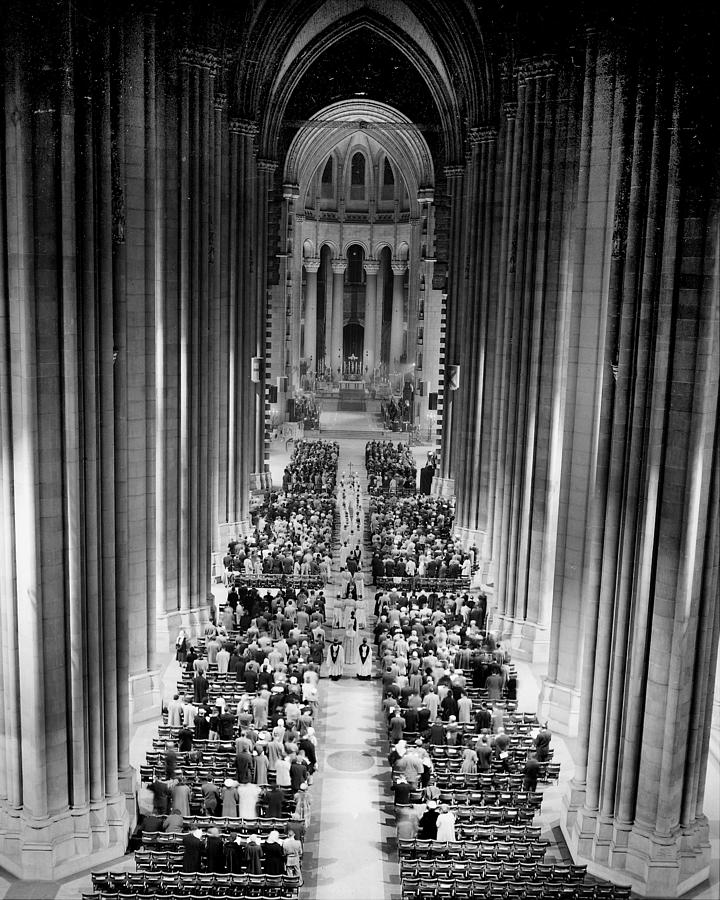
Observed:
{"x":338,"y":316}
{"x":310,"y":337}
{"x":372,"y":268}
{"x":399,"y":268}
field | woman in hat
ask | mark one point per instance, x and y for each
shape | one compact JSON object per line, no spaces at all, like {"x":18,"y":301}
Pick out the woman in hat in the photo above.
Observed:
{"x":215,"y":850}
{"x":273,"y":855}
{"x":235,"y":855}
{"x":303,"y":804}
{"x":253,"y":855}
{"x":446,"y":824}
{"x":230,"y":798}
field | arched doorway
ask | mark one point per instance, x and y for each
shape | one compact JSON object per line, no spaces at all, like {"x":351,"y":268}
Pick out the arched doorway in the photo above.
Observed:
{"x":353,"y":337}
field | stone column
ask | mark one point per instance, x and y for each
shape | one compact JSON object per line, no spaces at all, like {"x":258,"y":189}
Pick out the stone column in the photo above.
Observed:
{"x":241,"y":201}
{"x":399,"y":267}
{"x":310,"y":340}
{"x":266,"y":173}
{"x":455,"y":176}
{"x":372,"y":267}
{"x":338,"y":315}
{"x":650,"y":576}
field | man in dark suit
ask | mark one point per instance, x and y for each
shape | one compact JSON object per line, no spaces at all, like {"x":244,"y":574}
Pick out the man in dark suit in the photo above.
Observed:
{"x":530,"y":774}
{"x":193,"y":846}
{"x":244,"y":766}
{"x":428,"y":822}
{"x":200,"y":688}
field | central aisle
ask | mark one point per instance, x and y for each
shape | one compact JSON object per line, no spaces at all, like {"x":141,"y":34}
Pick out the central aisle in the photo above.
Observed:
{"x":352,"y":854}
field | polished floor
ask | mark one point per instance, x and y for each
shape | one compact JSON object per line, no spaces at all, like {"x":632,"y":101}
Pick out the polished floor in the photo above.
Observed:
{"x":350,"y":845}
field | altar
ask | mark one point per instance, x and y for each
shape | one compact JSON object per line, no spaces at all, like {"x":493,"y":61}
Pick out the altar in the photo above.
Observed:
{"x":352,"y":385}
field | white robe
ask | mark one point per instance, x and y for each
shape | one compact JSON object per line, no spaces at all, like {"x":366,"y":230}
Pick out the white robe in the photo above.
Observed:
{"x":364,"y":668}
{"x":335,"y":667}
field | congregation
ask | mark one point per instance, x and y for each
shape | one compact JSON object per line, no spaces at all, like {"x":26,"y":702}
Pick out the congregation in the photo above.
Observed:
{"x":227,"y":789}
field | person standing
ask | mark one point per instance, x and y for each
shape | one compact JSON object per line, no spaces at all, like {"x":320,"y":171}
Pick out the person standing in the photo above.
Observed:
{"x":446,"y":824}
{"x":193,"y":846}
{"x":542,"y":744}
{"x":273,"y":855}
{"x":364,"y":661}
{"x":215,"y":851}
{"x":230,"y":798}
{"x":351,"y":639}
{"x":181,"y":797}
{"x":181,"y":647}
{"x":335,"y":660}
{"x":292,"y":848}
{"x":303,"y":805}
{"x":211,"y":796}
{"x":428,"y":822}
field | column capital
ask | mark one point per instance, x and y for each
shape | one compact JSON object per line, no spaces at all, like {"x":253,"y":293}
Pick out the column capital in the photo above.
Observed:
{"x":426,"y":195}
{"x":510,"y":109}
{"x":339,"y":266}
{"x":483,"y":134}
{"x":372,"y":266}
{"x":199,"y":59}
{"x":454,"y":171}
{"x":291,"y":191}
{"x":311,"y":263}
{"x":537,"y":67}
{"x":398,"y":266}
{"x":220,"y":100}
{"x":243,"y":126}
{"x":267,"y":165}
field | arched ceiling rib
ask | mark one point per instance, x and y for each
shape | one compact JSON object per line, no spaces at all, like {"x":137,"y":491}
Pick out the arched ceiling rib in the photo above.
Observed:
{"x":393,"y":131}
{"x":440,"y":39}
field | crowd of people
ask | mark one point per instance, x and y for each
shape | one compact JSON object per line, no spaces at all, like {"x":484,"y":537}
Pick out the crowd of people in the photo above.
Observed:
{"x":411,"y":537}
{"x":424,"y":661}
{"x":292,"y":531}
{"x":391,"y":467}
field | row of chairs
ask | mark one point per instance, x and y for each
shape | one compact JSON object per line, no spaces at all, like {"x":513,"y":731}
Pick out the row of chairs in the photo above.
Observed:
{"x":225,"y":823}
{"x":216,"y":894}
{"x":491,"y":889}
{"x":275,"y":580}
{"x":423,"y":583}
{"x":549,"y":774}
{"x":504,"y":849}
{"x":490,"y":797}
{"x":184,"y":881}
{"x":512,"y":870}
{"x":486,"y":857}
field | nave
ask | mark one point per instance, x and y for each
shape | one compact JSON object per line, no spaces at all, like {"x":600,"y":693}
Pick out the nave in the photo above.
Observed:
{"x":351,"y":846}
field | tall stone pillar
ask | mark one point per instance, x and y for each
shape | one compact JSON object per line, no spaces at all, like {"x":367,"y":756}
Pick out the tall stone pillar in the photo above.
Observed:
{"x":455,"y":176}
{"x":265,"y":176}
{"x":372,"y":267}
{"x":338,"y":315}
{"x":63,"y":713}
{"x":310,"y":340}
{"x":650,"y":575}
{"x":399,"y":267}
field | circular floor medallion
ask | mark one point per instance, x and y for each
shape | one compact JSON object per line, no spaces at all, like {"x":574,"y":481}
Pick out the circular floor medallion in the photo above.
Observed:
{"x":350,"y":761}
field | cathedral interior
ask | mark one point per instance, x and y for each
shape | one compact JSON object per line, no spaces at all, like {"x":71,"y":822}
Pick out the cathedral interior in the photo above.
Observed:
{"x":505,"y":215}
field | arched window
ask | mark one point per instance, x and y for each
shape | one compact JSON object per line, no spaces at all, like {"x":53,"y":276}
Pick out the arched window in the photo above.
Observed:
{"x":327,"y":180}
{"x":357,"y":177}
{"x":355,"y":272}
{"x":388,"y":192}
